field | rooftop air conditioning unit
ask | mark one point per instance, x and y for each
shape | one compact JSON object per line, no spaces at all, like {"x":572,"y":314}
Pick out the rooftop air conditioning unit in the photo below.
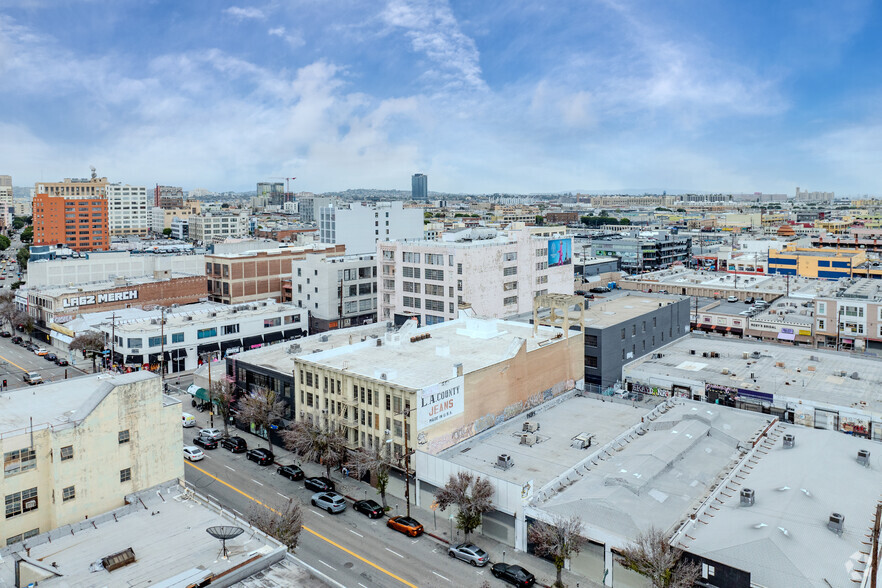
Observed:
{"x":748,"y":497}
{"x":504,"y":461}
{"x":154,"y":321}
{"x":863,"y":457}
{"x":528,"y":439}
{"x":854,"y":376}
{"x":836,"y":523}
{"x":212,"y":314}
{"x":530,"y":427}
{"x":755,"y":355}
{"x":789,"y":441}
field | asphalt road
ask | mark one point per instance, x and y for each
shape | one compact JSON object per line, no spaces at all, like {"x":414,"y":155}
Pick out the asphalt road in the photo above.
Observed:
{"x":348,"y":547}
{"x":16,"y":360}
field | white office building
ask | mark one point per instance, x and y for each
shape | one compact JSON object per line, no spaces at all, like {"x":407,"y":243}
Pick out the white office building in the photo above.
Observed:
{"x":360,"y":226}
{"x":128,"y":212}
{"x":107,"y":265}
{"x":194,"y":333}
{"x":215,"y":226}
{"x":495,"y":273}
{"x":339,"y":291}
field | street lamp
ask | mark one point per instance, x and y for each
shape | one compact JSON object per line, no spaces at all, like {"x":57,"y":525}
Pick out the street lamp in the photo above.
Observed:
{"x":210,"y":355}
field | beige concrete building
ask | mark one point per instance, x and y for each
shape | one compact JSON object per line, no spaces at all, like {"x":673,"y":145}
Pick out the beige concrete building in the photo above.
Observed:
{"x":75,"y":449}
{"x":161,"y":218}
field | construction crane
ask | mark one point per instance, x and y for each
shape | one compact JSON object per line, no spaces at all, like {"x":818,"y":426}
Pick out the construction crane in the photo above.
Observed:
{"x":287,"y":180}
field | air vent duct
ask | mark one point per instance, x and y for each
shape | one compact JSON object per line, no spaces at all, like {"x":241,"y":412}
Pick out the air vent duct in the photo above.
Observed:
{"x":504,"y":461}
{"x":863,"y":457}
{"x":836,"y":523}
{"x":789,"y":441}
{"x":748,"y":497}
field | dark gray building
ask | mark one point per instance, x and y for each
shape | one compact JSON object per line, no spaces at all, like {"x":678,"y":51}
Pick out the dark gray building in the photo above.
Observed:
{"x":649,"y":252}
{"x":419,"y":187}
{"x":622,"y":329}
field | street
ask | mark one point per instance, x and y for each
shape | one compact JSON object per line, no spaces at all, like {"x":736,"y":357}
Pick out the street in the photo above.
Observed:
{"x":348,"y":547}
{"x":16,"y":360}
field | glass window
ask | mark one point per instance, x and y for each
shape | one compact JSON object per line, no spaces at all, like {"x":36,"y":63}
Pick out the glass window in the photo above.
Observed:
{"x":68,"y":493}
{"x":125,"y":475}
{"x":205,"y":333}
{"x":18,"y":461}
{"x":177,"y":337}
{"x":67,"y":452}
{"x":21,"y":502}
{"x":134,"y":342}
{"x":124,"y":437}
{"x":272,"y":322}
{"x":157,"y":341}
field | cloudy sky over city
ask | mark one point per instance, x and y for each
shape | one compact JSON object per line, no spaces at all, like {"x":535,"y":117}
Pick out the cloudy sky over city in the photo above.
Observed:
{"x":490,"y":96}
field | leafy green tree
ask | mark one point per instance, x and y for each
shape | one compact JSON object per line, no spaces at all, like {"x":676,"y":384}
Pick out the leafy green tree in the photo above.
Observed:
{"x":540,"y":220}
{"x":4,"y":242}
{"x":18,"y":223}
{"x":23,"y":255}
{"x":624,"y":221}
{"x":166,"y":231}
{"x":27,"y":235}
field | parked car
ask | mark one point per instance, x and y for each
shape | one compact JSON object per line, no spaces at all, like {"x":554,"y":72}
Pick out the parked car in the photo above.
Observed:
{"x":406,"y":525}
{"x":5,"y":334}
{"x":319,"y":484}
{"x":329,"y":501}
{"x":205,"y":442}
{"x":193,"y":453}
{"x":17,"y":340}
{"x":599,"y":290}
{"x":292,"y":472}
{"x":61,"y":361}
{"x":234,"y":444}
{"x":41,"y":351}
{"x":469,"y":552}
{"x":188,"y":420}
{"x":732,"y":299}
{"x":32,"y":378}
{"x":214,"y":434}
{"x":260,"y":455}
{"x":513,"y":574}
{"x":369,"y":508}
{"x":749,"y":300}
{"x":50,"y":357}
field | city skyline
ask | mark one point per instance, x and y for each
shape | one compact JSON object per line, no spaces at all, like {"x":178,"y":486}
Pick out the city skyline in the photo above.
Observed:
{"x":495,"y":97}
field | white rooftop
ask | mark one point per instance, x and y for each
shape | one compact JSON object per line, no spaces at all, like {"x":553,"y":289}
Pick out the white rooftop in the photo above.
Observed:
{"x":783,"y":539}
{"x":674,"y":278}
{"x":165,"y":529}
{"x":213,"y":312}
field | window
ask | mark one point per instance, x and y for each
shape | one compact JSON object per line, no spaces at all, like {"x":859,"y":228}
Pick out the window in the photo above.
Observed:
{"x":590,"y":361}
{"x":411,"y":257}
{"x":410,"y":302}
{"x":623,"y":334}
{"x":511,"y":256}
{"x":125,"y":475}
{"x":67,"y":452}
{"x":294,"y":318}
{"x":177,"y":337}
{"x":822,"y":308}
{"x":206,"y":333}
{"x":411,"y":272}
{"x":508,"y":286}
{"x":822,"y":324}
{"x":510,"y":271}
{"x":543,"y":279}
{"x":135,"y":342}
{"x":510,"y":300}
{"x":68,"y":493}
{"x":542,"y":252}
{"x":157,"y":341}
{"x":434,"y":290}
{"x":435,"y":305}
{"x":22,"y":536}
{"x":542,"y":265}
{"x":459,"y":269}
{"x":18,"y":461}
{"x":21,"y":502}
{"x":633,"y":330}
{"x":434,"y":259}
{"x":124,"y":437}
{"x":434,"y":274}
{"x":591,"y":340}
{"x":654,"y":322}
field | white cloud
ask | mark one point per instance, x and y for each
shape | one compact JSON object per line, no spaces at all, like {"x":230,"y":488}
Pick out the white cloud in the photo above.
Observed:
{"x":294,"y":38}
{"x":241,"y":13}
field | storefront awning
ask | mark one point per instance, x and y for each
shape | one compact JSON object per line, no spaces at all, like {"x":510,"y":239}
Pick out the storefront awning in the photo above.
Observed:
{"x":787,"y":336}
{"x":134,"y":359}
{"x":230,"y":344}
{"x":273,"y":337}
{"x":247,"y":342}
{"x":293,"y":333}
{"x":62,"y":330}
{"x":154,"y":357}
{"x":207,"y":348}
{"x":179,"y":353}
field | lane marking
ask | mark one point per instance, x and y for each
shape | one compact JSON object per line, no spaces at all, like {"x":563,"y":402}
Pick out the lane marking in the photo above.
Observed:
{"x":256,"y":482}
{"x":305,"y":528}
{"x":15,"y":364}
{"x":398,"y":554}
{"x":319,"y":514}
{"x":329,"y":565}
{"x":437,"y":574}
{"x":283,"y":496}
{"x":362,"y":585}
{"x":229,"y":468}
{"x":354,"y":533}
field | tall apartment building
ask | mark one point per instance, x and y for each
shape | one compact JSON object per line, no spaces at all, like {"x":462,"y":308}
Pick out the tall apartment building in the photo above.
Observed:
{"x":419,"y":187}
{"x":5,"y":181}
{"x":274,"y":192}
{"x":339,"y":291}
{"x":127,"y":210}
{"x":79,"y":447}
{"x":73,"y":212}
{"x":161,"y":218}
{"x":254,"y":275}
{"x":495,"y":273}
{"x":168,"y":196}
{"x":806,"y":196}
{"x":308,"y":205}
{"x":7,"y":206}
{"x":360,"y":226}
{"x":216,"y":226}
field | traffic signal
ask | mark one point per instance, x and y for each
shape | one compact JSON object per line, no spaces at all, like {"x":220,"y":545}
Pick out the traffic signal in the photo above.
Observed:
{"x":4,"y":383}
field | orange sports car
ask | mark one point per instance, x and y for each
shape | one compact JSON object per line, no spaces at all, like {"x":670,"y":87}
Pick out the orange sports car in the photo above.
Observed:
{"x":405,"y":525}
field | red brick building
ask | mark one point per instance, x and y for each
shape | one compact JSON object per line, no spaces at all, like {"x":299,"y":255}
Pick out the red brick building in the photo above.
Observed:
{"x":73,"y":212}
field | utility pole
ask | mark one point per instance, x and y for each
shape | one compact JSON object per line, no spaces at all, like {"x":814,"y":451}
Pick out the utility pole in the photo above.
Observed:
{"x":210,"y":399}
{"x":113,"y":338}
{"x":875,"y":556}
{"x":162,"y":342}
{"x":406,"y":461}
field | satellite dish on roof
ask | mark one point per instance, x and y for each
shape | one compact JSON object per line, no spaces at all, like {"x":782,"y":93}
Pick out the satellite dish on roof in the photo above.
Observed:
{"x":224,"y":533}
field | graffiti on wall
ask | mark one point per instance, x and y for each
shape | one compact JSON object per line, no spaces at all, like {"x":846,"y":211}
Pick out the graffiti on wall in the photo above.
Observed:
{"x":435,"y":444}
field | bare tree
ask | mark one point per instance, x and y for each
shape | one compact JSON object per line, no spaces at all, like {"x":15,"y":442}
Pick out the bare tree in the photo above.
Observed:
{"x":8,"y":312}
{"x":223,"y":397}
{"x":471,"y":495}
{"x":559,"y":541}
{"x":283,"y":522}
{"x":377,"y":462}
{"x":263,"y":409}
{"x":653,"y":556}
{"x":91,"y":341}
{"x":327,"y":447}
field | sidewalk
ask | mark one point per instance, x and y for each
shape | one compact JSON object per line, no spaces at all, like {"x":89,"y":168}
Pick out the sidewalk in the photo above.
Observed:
{"x":437,"y":524}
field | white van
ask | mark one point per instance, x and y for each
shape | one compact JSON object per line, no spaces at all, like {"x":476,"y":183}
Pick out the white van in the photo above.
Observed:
{"x":188,"y":420}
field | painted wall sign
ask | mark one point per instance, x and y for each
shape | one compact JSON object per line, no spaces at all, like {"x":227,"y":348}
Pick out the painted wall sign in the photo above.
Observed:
{"x":439,"y":402}
{"x":99,"y":298}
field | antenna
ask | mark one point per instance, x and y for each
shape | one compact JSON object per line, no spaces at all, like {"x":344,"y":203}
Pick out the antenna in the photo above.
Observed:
{"x":224,"y":533}
{"x":94,"y":175}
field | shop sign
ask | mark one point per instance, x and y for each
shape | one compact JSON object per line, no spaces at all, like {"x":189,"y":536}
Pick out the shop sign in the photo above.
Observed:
{"x":90,"y":299}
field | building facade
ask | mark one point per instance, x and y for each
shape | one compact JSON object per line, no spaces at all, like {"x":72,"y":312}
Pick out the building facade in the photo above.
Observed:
{"x":161,"y":218}
{"x":214,"y":226}
{"x":497,"y":274}
{"x":361,"y":226}
{"x":274,"y":192}
{"x":108,"y":265}
{"x":73,"y":212}
{"x":168,"y":197}
{"x":79,"y":447}
{"x":128,"y":210}
{"x":820,"y":263}
{"x":644,"y":252}
{"x":419,"y":187}
{"x":338,"y":291}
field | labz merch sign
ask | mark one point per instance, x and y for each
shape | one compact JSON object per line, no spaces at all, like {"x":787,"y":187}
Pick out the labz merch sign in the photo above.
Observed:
{"x":439,"y":402}
{"x":99,"y":298}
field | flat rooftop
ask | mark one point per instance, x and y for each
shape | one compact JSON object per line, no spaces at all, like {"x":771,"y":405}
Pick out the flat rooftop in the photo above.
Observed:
{"x":167,"y":534}
{"x":107,"y":284}
{"x":788,"y":311}
{"x":627,"y":306}
{"x":656,"y":477}
{"x":804,"y":373}
{"x":202,"y":312}
{"x":714,"y":306}
{"x":783,"y":540}
{"x":552,"y":453}
{"x":61,"y":403}
{"x":674,"y":278}
{"x":474,"y":343}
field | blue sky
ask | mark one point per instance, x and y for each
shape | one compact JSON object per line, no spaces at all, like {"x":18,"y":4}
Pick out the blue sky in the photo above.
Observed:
{"x":490,"y":96}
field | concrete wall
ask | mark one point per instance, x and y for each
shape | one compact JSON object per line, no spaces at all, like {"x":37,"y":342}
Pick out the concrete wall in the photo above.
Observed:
{"x":100,"y":267}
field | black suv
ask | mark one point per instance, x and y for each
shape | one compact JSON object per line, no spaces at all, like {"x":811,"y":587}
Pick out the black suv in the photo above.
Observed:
{"x":17,"y":340}
{"x":260,"y":455}
{"x":50,"y":357}
{"x":292,"y":472}
{"x":234,"y":444}
{"x":319,"y":484}
{"x":513,"y":574}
